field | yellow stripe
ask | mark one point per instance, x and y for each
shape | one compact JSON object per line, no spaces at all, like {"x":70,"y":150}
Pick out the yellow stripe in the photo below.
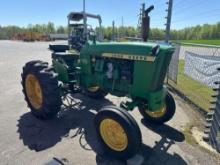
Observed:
{"x":129,"y":57}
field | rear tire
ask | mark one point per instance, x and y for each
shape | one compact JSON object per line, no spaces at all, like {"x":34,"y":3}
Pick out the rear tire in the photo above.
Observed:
{"x":118,"y":132}
{"x":167,"y":115}
{"x":41,"y":90}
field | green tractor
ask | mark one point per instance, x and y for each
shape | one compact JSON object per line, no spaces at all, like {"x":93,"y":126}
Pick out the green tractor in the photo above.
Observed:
{"x":87,"y":65}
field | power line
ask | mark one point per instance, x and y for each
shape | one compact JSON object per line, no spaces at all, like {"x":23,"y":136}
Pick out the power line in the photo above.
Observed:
{"x":189,"y":6}
{"x":209,"y":16}
{"x":159,"y":0}
{"x":180,"y":3}
{"x":203,"y":13}
{"x":161,"y":4}
{"x":160,"y":10}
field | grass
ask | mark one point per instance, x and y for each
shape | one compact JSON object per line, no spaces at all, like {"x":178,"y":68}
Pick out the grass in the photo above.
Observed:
{"x":188,"y":135}
{"x":194,"y":90}
{"x":207,"y":42}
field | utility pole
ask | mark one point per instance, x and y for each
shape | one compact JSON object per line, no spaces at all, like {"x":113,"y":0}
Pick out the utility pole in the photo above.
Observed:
{"x":113,"y":30}
{"x":84,"y":18}
{"x":122,"y":21}
{"x":122,"y":26}
{"x":143,"y":9}
{"x":84,"y":6}
{"x":169,"y":17}
{"x":139,"y":25}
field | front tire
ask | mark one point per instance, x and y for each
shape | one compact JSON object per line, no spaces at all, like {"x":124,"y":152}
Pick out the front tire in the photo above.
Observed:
{"x":161,"y":116}
{"x":117,"y":132}
{"x":95,"y":92}
{"x":41,"y":90}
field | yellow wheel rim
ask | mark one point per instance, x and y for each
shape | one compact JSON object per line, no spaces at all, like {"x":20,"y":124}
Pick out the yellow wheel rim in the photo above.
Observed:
{"x":93,"y":89}
{"x":157,"y":114}
{"x":33,"y":91}
{"x":113,"y":135}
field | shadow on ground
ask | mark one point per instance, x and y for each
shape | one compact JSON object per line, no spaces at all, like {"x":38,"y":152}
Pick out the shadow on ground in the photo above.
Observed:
{"x":165,"y":131}
{"x":158,"y":155}
{"x":41,"y":135}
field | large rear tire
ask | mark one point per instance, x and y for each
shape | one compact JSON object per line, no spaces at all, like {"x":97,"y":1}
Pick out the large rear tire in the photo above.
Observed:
{"x":163,"y":115}
{"x":117,"y":132}
{"x":41,"y":90}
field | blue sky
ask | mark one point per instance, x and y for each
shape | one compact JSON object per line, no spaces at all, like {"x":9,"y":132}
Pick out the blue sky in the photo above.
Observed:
{"x":186,"y":12}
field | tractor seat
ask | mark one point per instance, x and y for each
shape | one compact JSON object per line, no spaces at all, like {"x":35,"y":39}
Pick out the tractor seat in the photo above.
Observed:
{"x":65,"y":56}
{"x":58,"y":48}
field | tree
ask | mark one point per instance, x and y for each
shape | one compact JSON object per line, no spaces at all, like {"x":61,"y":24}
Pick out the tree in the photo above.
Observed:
{"x":2,"y":33}
{"x":60,"y":29}
{"x":205,"y":31}
{"x":50,"y":28}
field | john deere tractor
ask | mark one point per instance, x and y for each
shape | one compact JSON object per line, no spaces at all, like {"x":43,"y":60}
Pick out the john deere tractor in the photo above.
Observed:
{"x":95,"y":68}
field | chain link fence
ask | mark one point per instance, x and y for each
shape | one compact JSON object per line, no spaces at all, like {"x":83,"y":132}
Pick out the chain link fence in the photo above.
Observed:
{"x":202,"y":68}
{"x":194,"y":72}
{"x":212,"y":131}
{"x":174,"y":64}
{"x":200,"y":49}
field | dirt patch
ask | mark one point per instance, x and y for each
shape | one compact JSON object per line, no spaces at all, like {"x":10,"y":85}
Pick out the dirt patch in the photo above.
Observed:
{"x":193,"y":130}
{"x":198,"y":135}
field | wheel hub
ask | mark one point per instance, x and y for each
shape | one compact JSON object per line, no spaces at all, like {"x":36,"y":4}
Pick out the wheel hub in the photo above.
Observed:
{"x":113,"y":135}
{"x":157,"y":114}
{"x":93,"y":89}
{"x":33,"y":91}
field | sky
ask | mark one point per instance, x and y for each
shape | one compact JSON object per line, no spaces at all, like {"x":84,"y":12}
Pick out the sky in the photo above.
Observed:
{"x":185,"y":12}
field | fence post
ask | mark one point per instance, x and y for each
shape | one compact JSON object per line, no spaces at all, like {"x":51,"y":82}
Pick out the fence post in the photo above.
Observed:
{"x":212,"y":126}
{"x":172,"y":71}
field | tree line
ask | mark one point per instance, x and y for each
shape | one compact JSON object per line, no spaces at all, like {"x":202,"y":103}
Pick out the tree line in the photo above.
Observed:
{"x":205,"y":31}
{"x":8,"y":32}
{"x":198,"y":32}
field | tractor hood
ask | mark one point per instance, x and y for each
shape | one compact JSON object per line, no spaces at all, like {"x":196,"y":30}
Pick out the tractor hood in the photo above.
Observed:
{"x":127,"y":48}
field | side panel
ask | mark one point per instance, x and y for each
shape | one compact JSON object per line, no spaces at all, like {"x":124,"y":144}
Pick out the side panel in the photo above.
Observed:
{"x":143,"y":76}
{"x":65,"y":65}
{"x":95,"y":72}
{"x":87,"y":78}
{"x":161,"y":70}
{"x":61,"y":70}
{"x":147,"y":76}
{"x":149,"y":79}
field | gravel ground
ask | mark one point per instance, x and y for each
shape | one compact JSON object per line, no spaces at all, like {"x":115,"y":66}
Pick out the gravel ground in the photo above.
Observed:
{"x":26,"y":140}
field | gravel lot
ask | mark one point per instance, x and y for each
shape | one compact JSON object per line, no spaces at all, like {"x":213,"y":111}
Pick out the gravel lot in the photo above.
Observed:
{"x":26,"y":140}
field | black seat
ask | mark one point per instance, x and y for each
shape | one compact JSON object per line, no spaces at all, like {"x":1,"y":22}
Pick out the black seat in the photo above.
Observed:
{"x":64,"y":56}
{"x":59,"y":48}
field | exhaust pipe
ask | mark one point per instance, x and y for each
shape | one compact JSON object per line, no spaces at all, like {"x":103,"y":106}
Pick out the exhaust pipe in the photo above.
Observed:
{"x":146,"y":24}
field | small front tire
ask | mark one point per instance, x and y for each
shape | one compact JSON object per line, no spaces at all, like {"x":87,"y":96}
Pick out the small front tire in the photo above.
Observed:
{"x":162,"y":116}
{"x":118,"y":132}
{"x":95,"y":92}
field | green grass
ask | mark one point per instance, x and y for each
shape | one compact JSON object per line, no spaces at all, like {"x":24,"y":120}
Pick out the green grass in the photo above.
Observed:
{"x":194,"y":90}
{"x":207,"y":42}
